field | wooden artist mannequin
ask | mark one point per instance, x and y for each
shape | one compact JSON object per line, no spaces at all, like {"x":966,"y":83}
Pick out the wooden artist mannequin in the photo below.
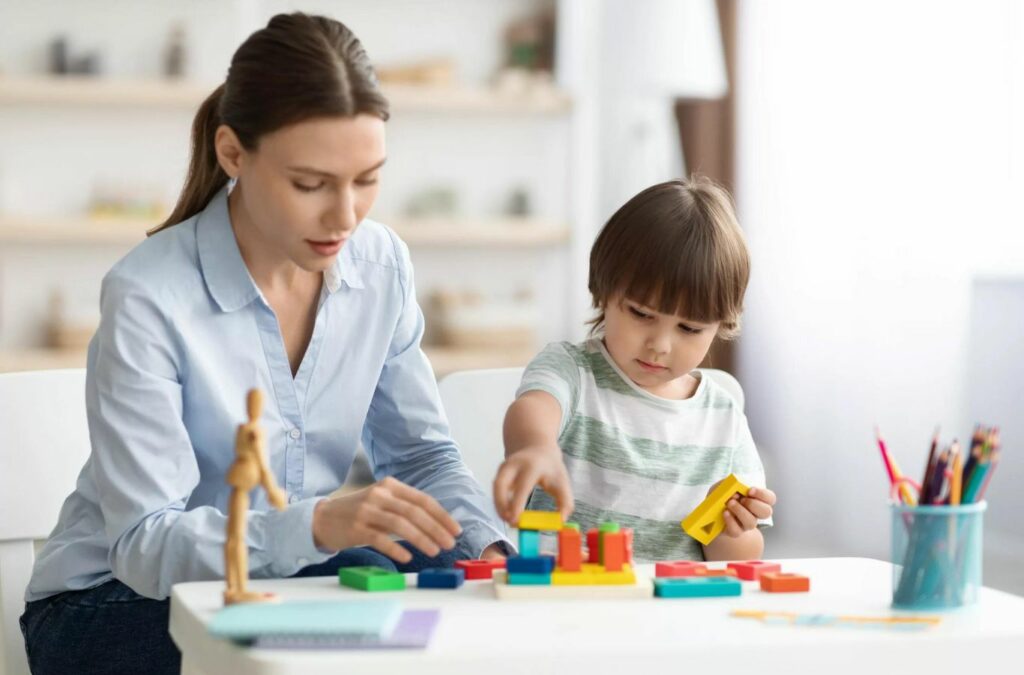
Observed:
{"x":248,"y":471}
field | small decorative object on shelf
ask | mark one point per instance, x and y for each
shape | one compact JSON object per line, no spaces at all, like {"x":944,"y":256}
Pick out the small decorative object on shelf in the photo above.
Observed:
{"x":174,"y":56}
{"x":428,"y":72}
{"x":433,"y":202}
{"x":467,"y":319}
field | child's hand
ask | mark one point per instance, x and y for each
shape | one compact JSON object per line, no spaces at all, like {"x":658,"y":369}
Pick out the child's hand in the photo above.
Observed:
{"x":523,"y":471}
{"x":742,"y":513}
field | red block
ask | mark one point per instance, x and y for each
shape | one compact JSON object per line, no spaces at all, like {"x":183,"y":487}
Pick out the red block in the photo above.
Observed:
{"x":715,"y":573}
{"x":614,"y":551}
{"x":570,"y":550}
{"x":479,"y":569}
{"x":752,"y":570}
{"x":678,"y":568}
{"x":593,"y":547}
{"x":779,"y":582}
{"x":628,"y":531}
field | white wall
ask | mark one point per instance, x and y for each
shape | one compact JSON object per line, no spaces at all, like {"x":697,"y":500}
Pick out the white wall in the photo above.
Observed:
{"x":879,"y":173}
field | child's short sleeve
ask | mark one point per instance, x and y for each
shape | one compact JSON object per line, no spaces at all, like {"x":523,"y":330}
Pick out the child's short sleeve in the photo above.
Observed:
{"x":556,"y":372}
{"x":746,"y":463}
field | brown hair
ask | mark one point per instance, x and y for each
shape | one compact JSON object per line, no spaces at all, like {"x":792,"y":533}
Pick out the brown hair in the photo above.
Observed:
{"x":677,"y":248}
{"x":297,"y":68}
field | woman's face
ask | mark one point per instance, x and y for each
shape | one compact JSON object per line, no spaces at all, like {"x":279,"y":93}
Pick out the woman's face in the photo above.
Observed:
{"x":307,"y":186}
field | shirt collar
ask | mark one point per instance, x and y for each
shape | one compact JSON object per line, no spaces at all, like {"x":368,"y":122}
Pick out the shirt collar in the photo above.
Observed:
{"x":224,"y":270}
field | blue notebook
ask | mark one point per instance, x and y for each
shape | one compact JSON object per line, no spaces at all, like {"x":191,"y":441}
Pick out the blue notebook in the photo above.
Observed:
{"x":364,"y":619}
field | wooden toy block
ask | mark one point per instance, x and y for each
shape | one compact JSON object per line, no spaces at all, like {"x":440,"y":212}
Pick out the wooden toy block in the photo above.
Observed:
{"x":715,"y":573}
{"x":678,"y":568}
{"x":570,"y":550}
{"x":697,"y":587}
{"x":436,"y":577}
{"x":593,"y":546}
{"x":707,"y":520}
{"x":752,"y":570}
{"x":529,"y":579}
{"x":562,"y":577}
{"x":529,"y":543}
{"x":371,"y":579}
{"x":571,"y":526}
{"x":504,"y":591}
{"x":518,"y":564}
{"x":479,"y":569}
{"x":540,"y":520}
{"x":608,"y":526}
{"x":628,"y":531}
{"x":594,"y":575}
{"x":613,"y":551}
{"x":784,"y":582}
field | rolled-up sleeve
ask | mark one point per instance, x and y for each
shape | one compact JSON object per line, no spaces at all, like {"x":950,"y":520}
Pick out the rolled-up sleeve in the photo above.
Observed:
{"x":145,"y":468}
{"x":406,"y":433}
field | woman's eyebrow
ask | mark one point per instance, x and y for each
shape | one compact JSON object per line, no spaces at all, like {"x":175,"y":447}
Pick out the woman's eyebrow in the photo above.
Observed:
{"x":328,"y":174}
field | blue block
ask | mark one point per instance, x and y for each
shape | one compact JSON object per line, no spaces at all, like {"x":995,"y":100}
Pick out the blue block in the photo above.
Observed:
{"x":529,"y":543}
{"x":526,"y":579}
{"x":543,"y":564}
{"x":436,"y":577}
{"x":696,"y":587}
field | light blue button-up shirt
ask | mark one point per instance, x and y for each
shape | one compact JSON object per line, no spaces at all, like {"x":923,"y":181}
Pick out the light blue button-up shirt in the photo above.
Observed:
{"x":184,"y":334}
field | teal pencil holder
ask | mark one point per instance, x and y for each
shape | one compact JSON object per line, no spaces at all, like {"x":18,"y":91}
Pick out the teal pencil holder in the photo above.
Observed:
{"x":936,"y":556}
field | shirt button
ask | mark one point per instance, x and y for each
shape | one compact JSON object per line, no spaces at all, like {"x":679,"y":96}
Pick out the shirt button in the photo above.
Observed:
{"x":294,"y":498}
{"x":302,"y":562}
{"x":295,"y":433}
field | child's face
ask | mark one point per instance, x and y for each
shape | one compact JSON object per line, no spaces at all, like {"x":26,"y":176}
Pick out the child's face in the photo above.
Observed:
{"x":308,"y":186}
{"x":657,"y":351}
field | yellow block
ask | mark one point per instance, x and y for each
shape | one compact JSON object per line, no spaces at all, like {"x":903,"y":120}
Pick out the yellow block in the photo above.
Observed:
{"x":593,"y":574}
{"x":707,"y":520}
{"x":540,"y":520}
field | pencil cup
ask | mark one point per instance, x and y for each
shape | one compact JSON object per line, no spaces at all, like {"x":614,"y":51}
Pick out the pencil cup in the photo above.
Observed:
{"x":936,"y":555}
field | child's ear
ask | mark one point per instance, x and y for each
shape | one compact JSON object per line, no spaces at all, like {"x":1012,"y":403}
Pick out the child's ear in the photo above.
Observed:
{"x":230,"y":153}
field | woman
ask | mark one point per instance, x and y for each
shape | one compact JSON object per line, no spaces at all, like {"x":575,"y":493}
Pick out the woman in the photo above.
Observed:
{"x":266,"y":275}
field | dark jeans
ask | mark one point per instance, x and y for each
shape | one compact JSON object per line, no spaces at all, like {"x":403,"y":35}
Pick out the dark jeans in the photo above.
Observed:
{"x":112,"y":629}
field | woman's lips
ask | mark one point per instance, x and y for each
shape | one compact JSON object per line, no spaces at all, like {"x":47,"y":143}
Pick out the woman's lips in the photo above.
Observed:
{"x":326,"y":248}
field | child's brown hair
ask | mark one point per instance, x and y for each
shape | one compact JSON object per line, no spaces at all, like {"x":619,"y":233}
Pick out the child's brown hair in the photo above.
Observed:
{"x":677,"y":248}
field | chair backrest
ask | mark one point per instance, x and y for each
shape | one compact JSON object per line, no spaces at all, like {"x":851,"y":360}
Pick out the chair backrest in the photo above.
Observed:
{"x":45,"y":443}
{"x":476,"y":400}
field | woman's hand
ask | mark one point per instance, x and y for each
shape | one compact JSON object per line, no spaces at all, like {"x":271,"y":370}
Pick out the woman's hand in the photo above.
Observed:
{"x":369,"y":517}
{"x":524,"y":470}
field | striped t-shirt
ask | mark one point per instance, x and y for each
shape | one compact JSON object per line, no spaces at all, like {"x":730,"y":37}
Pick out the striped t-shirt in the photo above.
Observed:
{"x":640,"y":460}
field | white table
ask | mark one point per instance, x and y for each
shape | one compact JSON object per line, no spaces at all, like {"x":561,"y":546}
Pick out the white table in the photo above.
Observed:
{"x":481,"y":635}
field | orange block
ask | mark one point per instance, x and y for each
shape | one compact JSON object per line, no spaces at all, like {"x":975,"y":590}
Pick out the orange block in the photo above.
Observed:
{"x":614,"y":551}
{"x":784,"y":582}
{"x":628,"y":531}
{"x":593,"y":547}
{"x":570,"y":550}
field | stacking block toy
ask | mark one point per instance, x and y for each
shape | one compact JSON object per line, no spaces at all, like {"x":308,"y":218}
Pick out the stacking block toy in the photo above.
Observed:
{"x":570,"y":550}
{"x":780,"y":582}
{"x":436,"y":577}
{"x":715,"y":573}
{"x":594,"y":575}
{"x":529,"y":543}
{"x":593,"y":546}
{"x":540,"y":520}
{"x":527,"y":579}
{"x":571,"y":526}
{"x":628,"y":532}
{"x":543,"y":564}
{"x":678,"y":568}
{"x":371,"y":579}
{"x":697,"y":587}
{"x":479,"y":569}
{"x":613,"y":551}
{"x":752,"y":570}
{"x":707,"y":520}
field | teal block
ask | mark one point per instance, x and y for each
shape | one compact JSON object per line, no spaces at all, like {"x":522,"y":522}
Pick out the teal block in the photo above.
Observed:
{"x":529,"y":543}
{"x":526,"y":579}
{"x":696,"y":587}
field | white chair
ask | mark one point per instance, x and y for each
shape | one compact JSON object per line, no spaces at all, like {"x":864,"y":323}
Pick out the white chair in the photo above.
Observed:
{"x":46,"y":442}
{"x":476,"y":400}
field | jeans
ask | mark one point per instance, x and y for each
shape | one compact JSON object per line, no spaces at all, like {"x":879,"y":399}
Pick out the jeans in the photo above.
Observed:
{"x":112,"y":629}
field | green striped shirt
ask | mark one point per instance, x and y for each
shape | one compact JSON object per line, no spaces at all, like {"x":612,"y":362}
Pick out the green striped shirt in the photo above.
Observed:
{"x":635,"y":458}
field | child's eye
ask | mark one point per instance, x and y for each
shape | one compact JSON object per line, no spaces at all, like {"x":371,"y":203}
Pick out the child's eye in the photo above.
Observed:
{"x":689,"y":329}
{"x":308,"y":188}
{"x":637,"y":313}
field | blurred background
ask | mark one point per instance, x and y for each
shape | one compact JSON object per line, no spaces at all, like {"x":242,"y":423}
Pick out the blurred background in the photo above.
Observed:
{"x":875,"y":149}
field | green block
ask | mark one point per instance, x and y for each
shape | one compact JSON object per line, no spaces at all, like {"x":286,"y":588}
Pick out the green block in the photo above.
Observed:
{"x":571,"y":526}
{"x":608,"y":527}
{"x":371,"y":579}
{"x":697,"y":587}
{"x":525,"y":579}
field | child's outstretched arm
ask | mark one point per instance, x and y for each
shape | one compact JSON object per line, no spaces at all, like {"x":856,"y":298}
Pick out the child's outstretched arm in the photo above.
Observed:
{"x":532,"y":457}
{"x":741,"y":540}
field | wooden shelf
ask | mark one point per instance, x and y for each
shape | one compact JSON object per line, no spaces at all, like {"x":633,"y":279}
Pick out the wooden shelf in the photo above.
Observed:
{"x":445,"y":360}
{"x":523,"y":232}
{"x":97,"y":91}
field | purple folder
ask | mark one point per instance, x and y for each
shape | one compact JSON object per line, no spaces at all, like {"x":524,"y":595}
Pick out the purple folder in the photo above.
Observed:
{"x":413,"y":631}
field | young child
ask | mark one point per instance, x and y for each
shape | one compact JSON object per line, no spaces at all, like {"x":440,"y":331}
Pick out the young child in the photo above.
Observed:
{"x":623,"y":421}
